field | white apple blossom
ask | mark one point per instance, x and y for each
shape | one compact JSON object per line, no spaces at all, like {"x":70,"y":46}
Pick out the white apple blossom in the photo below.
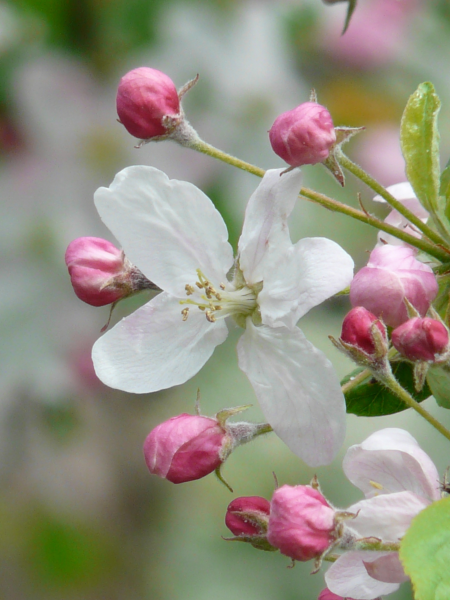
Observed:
{"x":404,"y":193}
{"x":172,"y":232}
{"x":399,"y":480}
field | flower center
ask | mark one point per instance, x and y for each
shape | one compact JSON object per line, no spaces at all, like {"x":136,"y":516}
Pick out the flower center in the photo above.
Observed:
{"x":218,"y":304}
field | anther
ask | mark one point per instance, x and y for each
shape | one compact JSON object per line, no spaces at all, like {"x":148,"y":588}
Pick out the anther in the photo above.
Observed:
{"x":185,"y":313}
{"x":210,"y":317}
{"x":198,"y":284}
{"x":376,"y":485}
{"x":222,"y":286}
{"x":189,"y":289}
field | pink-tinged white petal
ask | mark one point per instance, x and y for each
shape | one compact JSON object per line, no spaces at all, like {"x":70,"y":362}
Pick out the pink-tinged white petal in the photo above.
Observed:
{"x":401,"y":191}
{"x":154,"y":349}
{"x":390,"y":461}
{"x":309,"y":272}
{"x":265,"y":234}
{"x":167,"y":228}
{"x":298,"y":390}
{"x":405,"y":194}
{"x":387,"y":568}
{"x":388,"y":516}
{"x":348,"y":577}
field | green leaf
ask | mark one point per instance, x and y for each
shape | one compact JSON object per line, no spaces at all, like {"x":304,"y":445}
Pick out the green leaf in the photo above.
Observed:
{"x":419,"y":139}
{"x":371,"y":399}
{"x":425,"y":552}
{"x":444,"y":189}
{"x":439,"y":381}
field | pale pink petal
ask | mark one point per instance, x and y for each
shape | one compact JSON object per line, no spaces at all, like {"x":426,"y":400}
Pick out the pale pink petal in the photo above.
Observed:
{"x":154,"y":348}
{"x":388,"y":516}
{"x":387,"y":568}
{"x":167,"y":228}
{"x":400,"y":191}
{"x":265,"y":234}
{"x":389,"y":461}
{"x":405,"y":194}
{"x":348,"y":577}
{"x":307,"y":274}
{"x":297,"y":389}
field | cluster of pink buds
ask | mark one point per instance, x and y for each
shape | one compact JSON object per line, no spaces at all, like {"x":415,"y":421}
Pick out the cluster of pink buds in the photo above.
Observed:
{"x":298,"y":521}
{"x":100,"y":272}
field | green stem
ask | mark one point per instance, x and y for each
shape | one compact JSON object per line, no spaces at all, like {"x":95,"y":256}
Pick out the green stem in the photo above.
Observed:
{"x":209,"y":150}
{"x":348,"y":164}
{"x":351,"y":383}
{"x":262,"y":428}
{"x":359,"y":215}
{"x":395,"y":387}
{"x":327,"y":202}
{"x":378,"y":546}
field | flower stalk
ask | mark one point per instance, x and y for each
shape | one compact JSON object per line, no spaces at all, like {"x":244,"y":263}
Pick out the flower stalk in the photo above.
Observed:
{"x":430,"y":248}
{"x":398,"y":206}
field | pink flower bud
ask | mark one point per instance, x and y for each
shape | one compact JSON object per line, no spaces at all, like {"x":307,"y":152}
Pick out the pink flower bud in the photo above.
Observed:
{"x":186,"y":447}
{"x":248,"y":516}
{"x":391,"y":275}
{"x":304,"y":135}
{"x":357,"y":329}
{"x":144,"y":97}
{"x":93,"y":264}
{"x":421,"y":339}
{"x":301,"y":522}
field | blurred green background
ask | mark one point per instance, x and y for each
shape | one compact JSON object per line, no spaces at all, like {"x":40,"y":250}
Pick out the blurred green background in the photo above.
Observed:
{"x":80,"y":517}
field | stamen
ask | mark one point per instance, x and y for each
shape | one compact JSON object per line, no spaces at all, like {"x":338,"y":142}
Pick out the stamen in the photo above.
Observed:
{"x":215,"y":305}
{"x":210,"y":317}
{"x":185,"y":313}
{"x":376,"y":485}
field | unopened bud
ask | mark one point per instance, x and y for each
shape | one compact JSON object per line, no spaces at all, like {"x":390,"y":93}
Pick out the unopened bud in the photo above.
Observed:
{"x":100,"y":273}
{"x":357,"y":329}
{"x":144,"y":97}
{"x":301,"y":524}
{"x":421,"y":339}
{"x":392,"y":275}
{"x":248,"y":516}
{"x":304,"y":135}
{"x":186,"y":447}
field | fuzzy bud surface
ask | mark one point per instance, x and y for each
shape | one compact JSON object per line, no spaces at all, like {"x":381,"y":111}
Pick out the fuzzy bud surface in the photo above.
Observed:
{"x":391,"y":275}
{"x":144,"y":97}
{"x":357,"y":329}
{"x":301,"y":522}
{"x":248,"y":516}
{"x":186,"y":447}
{"x":304,"y":135}
{"x":421,"y":339}
{"x":93,"y":263}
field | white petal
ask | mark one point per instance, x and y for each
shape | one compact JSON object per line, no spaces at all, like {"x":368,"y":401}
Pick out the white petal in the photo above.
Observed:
{"x":154,"y":348}
{"x":388,"y":516}
{"x":389,"y":461}
{"x":311,"y":271}
{"x":348,"y":577}
{"x":265,"y":234}
{"x":297,"y":389}
{"x":400,"y":191}
{"x":387,"y":568}
{"x":167,"y":228}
